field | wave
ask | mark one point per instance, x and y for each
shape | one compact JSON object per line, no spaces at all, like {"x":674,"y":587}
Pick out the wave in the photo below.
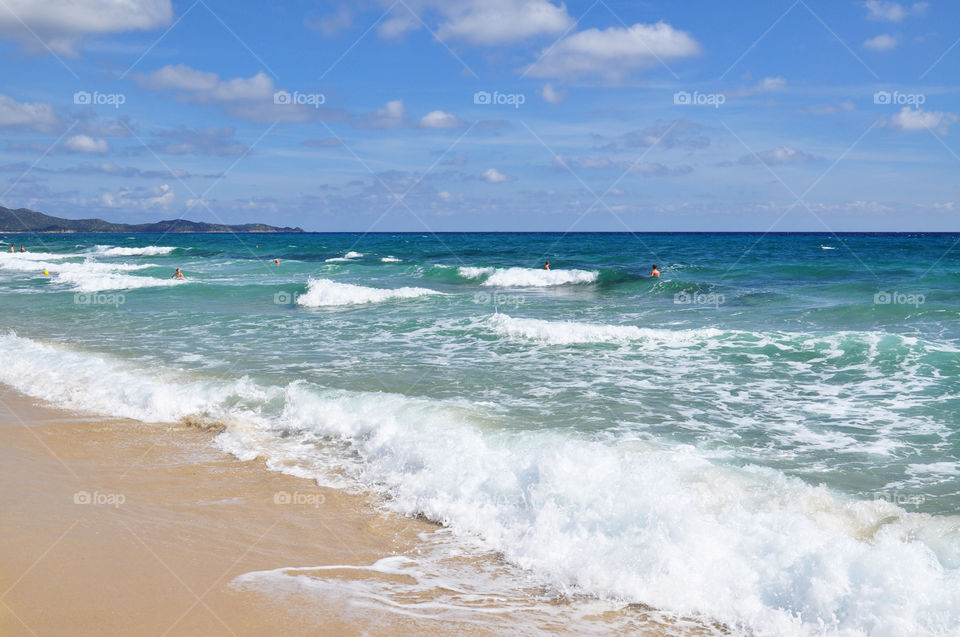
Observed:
{"x":570,"y":332}
{"x":526,"y":277}
{"x":391,"y":260}
{"x":150,"y":251}
{"x":87,"y":275}
{"x":345,"y":258}
{"x":772,"y":344}
{"x":327,"y":293}
{"x":612,"y":516}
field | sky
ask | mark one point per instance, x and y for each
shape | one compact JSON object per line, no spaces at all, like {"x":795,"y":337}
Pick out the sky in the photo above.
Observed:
{"x":486,"y":115}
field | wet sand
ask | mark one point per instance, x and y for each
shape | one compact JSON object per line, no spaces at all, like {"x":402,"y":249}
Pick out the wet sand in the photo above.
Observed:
{"x":114,"y":527}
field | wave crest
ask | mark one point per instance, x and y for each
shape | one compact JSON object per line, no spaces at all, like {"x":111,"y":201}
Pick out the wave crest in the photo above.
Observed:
{"x":327,"y":293}
{"x":526,"y":277}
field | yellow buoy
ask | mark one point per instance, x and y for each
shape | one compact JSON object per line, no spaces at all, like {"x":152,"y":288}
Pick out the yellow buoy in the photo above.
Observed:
{"x":46,"y":272}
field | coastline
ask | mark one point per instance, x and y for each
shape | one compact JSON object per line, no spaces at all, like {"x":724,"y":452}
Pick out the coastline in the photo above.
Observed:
{"x":169,"y":522}
{"x":119,"y":527}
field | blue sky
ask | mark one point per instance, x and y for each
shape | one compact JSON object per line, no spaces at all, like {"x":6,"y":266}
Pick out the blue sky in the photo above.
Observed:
{"x":759,"y":115}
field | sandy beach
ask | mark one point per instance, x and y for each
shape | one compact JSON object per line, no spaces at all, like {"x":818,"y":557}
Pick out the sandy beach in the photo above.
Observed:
{"x":114,"y":527}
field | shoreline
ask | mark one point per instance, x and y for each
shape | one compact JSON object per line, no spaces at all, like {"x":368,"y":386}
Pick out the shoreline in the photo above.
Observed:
{"x":120,"y":527}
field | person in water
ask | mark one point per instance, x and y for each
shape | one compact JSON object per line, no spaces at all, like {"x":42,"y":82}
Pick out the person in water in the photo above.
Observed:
{"x":22,"y":249}
{"x":654,"y":271}
{"x":11,"y":247}
{"x":177,"y":275}
{"x":546,"y":266}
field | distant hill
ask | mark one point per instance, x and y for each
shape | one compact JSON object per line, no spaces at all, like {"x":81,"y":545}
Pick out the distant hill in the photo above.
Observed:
{"x":26,"y":220}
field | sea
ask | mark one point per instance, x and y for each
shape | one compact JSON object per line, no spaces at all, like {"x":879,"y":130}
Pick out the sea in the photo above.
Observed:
{"x":766,"y":437}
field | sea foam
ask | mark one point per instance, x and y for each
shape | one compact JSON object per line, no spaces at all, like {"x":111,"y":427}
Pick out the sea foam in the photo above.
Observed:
{"x":526,"y":277}
{"x":657,"y":524}
{"x":325,"y":293}
{"x":112,"y":251}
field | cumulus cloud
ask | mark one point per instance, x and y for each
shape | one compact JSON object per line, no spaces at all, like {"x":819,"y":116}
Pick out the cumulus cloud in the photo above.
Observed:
{"x":613,"y":52}
{"x":882,"y":42}
{"x":552,"y":95}
{"x":440,"y":119}
{"x":886,"y":11}
{"x":61,"y":24}
{"x":36,"y":116}
{"x":205,"y":87}
{"x":496,"y":22}
{"x":494,"y":176}
{"x":911,"y":119}
{"x":85,"y":144}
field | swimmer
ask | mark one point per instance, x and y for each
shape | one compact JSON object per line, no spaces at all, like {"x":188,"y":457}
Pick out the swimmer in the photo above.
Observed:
{"x":546,"y":266}
{"x":22,"y":249}
{"x":177,"y":275}
{"x":11,"y":248}
{"x":654,"y":271}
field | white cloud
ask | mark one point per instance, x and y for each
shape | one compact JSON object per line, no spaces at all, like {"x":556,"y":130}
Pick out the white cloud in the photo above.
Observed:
{"x":494,"y":176}
{"x":440,"y":119}
{"x":886,"y":11}
{"x":493,"y":22}
{"x":612,"y":53}
{"x":85,"y":144}
{"x":552,"y":95}
{"x":204,"y":86}
{"x":62,"y":23}
{"x":883,"y":42}
{"x":397,"y":25}
{"x":139,"y":198}
{"x":910,"y":119}
{"x":40,"y":117}
{"x":393,"y":114}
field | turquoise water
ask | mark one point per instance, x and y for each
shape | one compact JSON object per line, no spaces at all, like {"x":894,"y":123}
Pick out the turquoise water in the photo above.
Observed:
{"x":775,"y":418}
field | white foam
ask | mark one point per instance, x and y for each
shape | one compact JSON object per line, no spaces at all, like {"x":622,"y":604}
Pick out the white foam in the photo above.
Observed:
{"x":350,"y":256}
{"x":570,"y":332}
{"x":326,"y":293}
{"x":84,"y":276}
{"x":391,"y":260}
{"x":659,"y":525}
{"x":526,"y":277}
{"x":111,"y":251}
